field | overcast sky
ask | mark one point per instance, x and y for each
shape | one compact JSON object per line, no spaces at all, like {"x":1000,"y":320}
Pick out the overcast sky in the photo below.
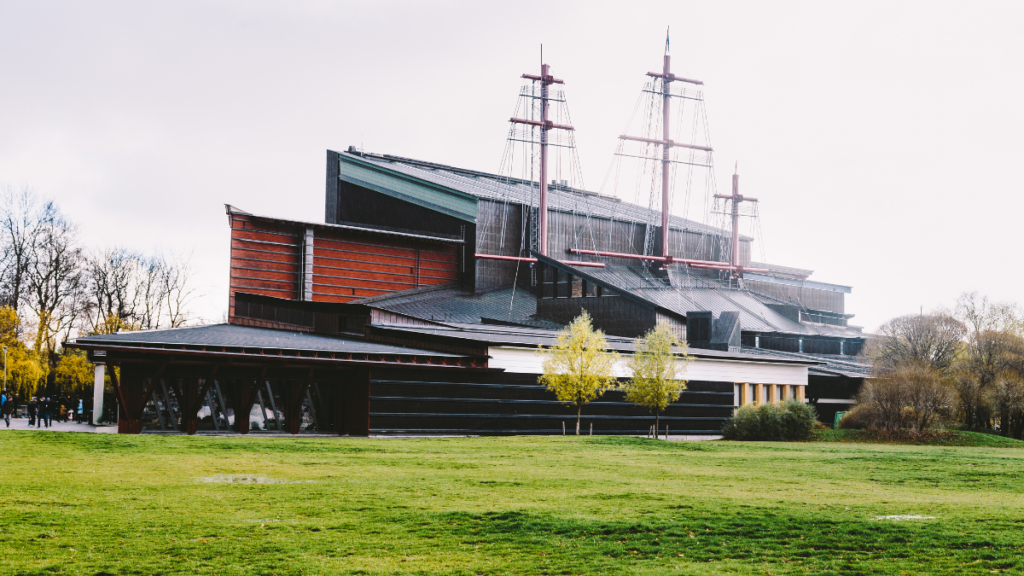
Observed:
{"x":884,"y":139}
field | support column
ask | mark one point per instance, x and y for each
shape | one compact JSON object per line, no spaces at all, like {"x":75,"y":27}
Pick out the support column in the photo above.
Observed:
{"x":190,"y":414}
{"x":243,"y":392}
{"x":129,"y":408}
{"x":759,"y":391}
{"x":800,"y":393}
{"x":744,"y":394}
{"x":296,"y":394}
{"x":771,"y":393}
{"x":357,"y":402}
{"x":97,"y":393}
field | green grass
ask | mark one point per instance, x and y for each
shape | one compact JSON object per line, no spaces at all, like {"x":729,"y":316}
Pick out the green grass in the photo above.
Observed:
{"x":104,"y":504}
{"x":930,"y":438}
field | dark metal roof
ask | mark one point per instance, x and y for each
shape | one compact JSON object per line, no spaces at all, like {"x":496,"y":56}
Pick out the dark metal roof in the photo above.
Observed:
{"x":830,"y":364}
{"x":246,"y":337}
{"x":783,"y":271}
{"x":361,"y":228}
{"x":502,"y":188}
{"x":535,"y":337}
{"x":693,"y":293}
{"x":450,"y":303}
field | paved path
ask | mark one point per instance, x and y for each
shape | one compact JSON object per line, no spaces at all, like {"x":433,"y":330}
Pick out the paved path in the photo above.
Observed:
{"x":22,"y":424}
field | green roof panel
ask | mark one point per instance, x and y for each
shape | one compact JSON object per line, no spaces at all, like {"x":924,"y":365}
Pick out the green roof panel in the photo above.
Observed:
{"x":408,"y":188}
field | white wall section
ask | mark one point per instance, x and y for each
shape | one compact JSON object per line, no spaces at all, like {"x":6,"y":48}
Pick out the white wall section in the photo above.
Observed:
{"x":529,"y":361}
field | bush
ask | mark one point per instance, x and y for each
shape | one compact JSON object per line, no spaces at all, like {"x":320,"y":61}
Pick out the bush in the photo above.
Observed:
{"x":861,"y":417}
{"x":914,"y":396}
{"x":793,"y":420}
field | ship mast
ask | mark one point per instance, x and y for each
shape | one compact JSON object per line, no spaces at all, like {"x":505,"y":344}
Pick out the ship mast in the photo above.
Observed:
{"x":665,"y":257}
{"x":736,"y":198}
{"x":545,"y":125}
{"x":666,"y":143}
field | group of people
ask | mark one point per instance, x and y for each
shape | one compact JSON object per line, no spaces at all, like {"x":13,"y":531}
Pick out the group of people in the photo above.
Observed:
{"x":43,"y":411}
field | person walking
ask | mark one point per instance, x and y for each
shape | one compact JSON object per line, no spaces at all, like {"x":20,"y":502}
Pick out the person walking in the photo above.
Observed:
{"x":47,"y":413}
{"x":7,"y":408}
{"x":80,"y":413}
{"x":33,"y":407}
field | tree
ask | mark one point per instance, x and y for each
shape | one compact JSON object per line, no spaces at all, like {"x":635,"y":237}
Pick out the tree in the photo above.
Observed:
{"x":911,"y":395}
{"x":994,"y":336}
{"x":653,"y":364}
{"x":113,"y":279}
{"x":18,"y":224}
{"x":1007,"y":397}
{"x":10,"y":326}
{"x":54,"y":277}
{"x":141,"y":292}
{"x":24,"y":371}
{"x":972,"y":402}
{"x":74,"y":373}
{"x":178,"y":289}
{"x":579,"y":368}
{"x":932,"y":339}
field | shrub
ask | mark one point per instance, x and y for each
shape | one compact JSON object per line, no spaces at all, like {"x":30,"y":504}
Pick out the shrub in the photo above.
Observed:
{"x":861,"y":417}
{"x":913,"y":395}
{"x":793,"y":420}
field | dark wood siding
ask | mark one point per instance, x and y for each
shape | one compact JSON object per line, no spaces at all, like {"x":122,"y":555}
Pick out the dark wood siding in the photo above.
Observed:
{"x":515,"y":404}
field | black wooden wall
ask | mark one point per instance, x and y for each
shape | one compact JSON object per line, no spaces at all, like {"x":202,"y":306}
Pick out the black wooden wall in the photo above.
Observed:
{"x":506,"y":404}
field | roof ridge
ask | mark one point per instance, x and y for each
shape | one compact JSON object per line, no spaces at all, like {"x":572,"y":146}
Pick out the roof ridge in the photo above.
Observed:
{"x":404,"y":293}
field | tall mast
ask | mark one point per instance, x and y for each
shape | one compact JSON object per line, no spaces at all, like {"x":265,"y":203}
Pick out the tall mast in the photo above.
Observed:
{"x":736,"y":198}
{"x":542,"y":212}
{"x":666,"y":143}
{"x":665,"y":258}
{"x":546,"y":80}
{"x":666,"y":122}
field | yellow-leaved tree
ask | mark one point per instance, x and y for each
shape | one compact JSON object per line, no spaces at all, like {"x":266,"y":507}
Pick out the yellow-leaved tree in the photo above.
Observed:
{"x":654,"y":384}
{"x":579,"y":368}
{"x":24,"y":370}
{"x":74,"y":373}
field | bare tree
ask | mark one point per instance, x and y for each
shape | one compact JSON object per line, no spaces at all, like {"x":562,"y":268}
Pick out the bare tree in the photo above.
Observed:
{"x":1007,"y":397}
{"x":151,"y":291}
{"x":179,"y":289}
{"x":972,"y":402}
{"x":931,"y":339}
{"x":54,"y":276}
{"x":20,"y":219}
{"x":113,"y":275}
{"x":994,"y":336}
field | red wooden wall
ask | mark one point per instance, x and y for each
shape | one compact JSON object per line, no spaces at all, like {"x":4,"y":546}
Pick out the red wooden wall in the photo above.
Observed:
{"x":266,"y":259}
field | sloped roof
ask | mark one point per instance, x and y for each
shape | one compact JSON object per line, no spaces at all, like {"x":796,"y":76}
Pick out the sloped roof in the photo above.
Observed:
{"x":248,"y":337}
{"x":831,"y":364}
{"x":534,"y":337}
{"x":450,"y":303}
{"x":691,"y":293}
{"x":501,"y":189}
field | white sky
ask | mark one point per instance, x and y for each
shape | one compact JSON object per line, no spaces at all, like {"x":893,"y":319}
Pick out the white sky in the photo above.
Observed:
{"x":884,"y":139}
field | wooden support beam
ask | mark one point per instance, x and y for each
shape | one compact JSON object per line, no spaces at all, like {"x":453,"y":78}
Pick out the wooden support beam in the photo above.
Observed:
{"x":190,"y":412}
{"x":243,"y":404}
{"x":296,"y":395}
{"x":357,"y":402}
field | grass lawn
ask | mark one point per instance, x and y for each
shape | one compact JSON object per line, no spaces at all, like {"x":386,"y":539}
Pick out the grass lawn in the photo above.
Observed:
{"x":929,"y":438}
{"x":105,"y":504}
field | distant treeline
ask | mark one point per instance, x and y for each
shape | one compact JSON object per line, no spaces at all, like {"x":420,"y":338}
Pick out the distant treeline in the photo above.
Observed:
{"x":53,"y":288}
